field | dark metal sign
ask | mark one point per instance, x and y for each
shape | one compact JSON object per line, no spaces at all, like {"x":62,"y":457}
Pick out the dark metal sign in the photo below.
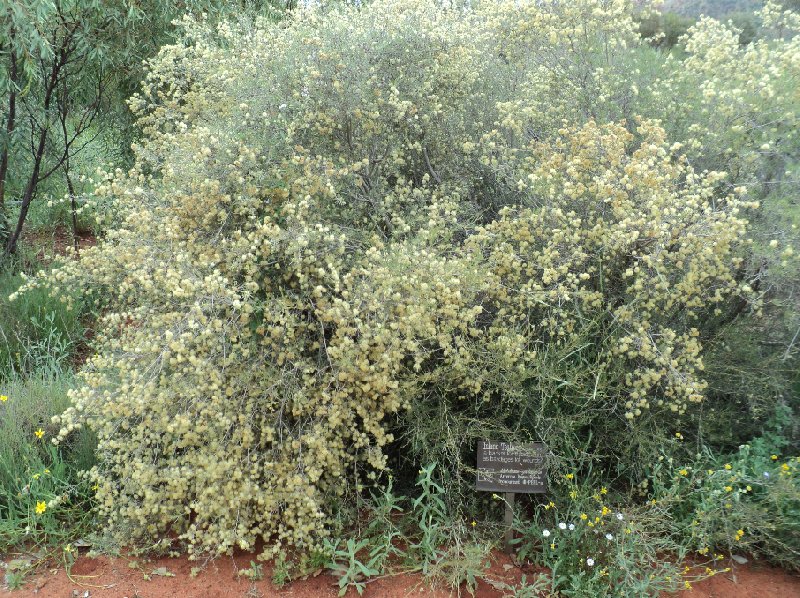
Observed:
{"x":511,"y":467}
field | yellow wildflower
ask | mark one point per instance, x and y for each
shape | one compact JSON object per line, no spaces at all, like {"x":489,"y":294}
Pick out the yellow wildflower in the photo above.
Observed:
{"x":41,"y":507}
{"x":39,"y":433}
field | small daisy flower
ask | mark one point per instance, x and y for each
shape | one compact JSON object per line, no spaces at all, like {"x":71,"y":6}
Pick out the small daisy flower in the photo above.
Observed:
{"x":620,"y":516}
{"x":562,"y":525}
{"x":590,"y":562}
{"x":571,"y":527}
{"x":546,"y":533}
{"x":609,"y":536}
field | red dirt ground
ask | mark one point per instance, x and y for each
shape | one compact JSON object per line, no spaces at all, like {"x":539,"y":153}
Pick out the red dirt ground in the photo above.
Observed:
{"x":105,"y":577}
{"x":57,"y":242}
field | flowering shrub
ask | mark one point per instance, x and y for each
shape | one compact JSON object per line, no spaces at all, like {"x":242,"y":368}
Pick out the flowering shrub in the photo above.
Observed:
{"x":591,"y":548}
{"x":44,"y":498}
{"x":748,"y":504}
{"x":359,"y":218}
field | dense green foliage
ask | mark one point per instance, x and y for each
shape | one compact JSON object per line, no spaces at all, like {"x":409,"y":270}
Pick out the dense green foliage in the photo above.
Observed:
{"x":66,"y":69}
{"x":38,"y":334}
{"x":34,"y":473}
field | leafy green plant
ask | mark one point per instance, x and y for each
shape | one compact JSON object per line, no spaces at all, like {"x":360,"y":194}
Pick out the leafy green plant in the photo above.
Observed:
{"x":254,"y":573}
{"x":346,"y":563}
{"x":746,"y":502}
{"x":39,"y":334}
{"x":439,"y":543}
{"x":430,"y":517}
{"x":44,"y":496}
{"x":14,"y":580}
{"x":593,"y":547}
{"x":281,"y":570}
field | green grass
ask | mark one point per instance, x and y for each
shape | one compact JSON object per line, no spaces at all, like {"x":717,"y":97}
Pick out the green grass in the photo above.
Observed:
{"x":34,"y":471}
{"x":38,"y":333}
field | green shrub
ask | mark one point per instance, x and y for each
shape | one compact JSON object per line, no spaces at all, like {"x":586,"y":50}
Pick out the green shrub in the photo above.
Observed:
{"x":44,"y":498}
{"x":591,"y":548}
{"x":746,"y":503}
{"x":39,"y":332}
{"x":404,"y":534}
{"x":663,"y":30}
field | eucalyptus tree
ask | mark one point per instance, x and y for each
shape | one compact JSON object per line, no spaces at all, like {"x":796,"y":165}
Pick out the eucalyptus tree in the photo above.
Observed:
{"x":65,"y":66}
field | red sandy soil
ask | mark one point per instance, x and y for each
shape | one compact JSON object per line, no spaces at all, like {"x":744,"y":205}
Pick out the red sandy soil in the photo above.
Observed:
{"x":106,"y":577}
{"x":57,"y":242}
{"x":45,"y":245}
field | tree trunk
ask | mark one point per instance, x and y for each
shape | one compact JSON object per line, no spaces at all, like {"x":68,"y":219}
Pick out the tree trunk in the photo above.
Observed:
{"x":30,"y":189}
{"x":10,"y":123}
{"x":71,"y":189}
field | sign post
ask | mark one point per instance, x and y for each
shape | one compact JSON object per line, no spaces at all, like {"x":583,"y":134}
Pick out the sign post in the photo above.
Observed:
{"x":509,"y":521}
{"x":511,"y":468}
